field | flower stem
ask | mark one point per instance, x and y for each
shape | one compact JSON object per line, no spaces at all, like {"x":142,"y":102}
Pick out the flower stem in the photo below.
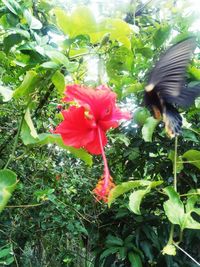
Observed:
{"x":106,"y":169}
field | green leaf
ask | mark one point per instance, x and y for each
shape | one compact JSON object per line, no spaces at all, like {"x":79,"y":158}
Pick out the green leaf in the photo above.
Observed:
{"x":123,"y":188}
{"x":29,"y":122}
{"x":148,"y":129}
{"x":80,"y":21}
{"x":58,"y":58}
{"x":161,"y":35}
{"x":63,"y":20}
{"x":127,"y":186}
{"x":182,"y":215}
{"x":13,"y":6}
{"x":8,"y":181}
{"x":4,"y":252}
{"x":135,"y":200}
{"x":11,"y":40}
{"x":179,"y":164}
{"x":132,"y":89}
{"x":123,"y":252}
{"x":23,"y":33}
{"x":49,"y":65}
{"x":174,"y":204}
{"x":56,"y":139}
{"x":114,"y":241}
{"x":134,"y":259}
{"x":119,"y":30}
{"x":45,"y":138}
{"x":26,"y":136}
{"x":193,"y":157}
{"x":28,"y":85}
{"x":33,"y":23}
{"x":194,"y":72}
{"x":146,"y":52}
{"x":6,"y":92}
{"x":108,"y":252}
{"x":58,"y":80}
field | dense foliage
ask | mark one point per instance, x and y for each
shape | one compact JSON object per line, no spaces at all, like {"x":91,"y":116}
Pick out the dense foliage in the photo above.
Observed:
{"x":52,"y":217}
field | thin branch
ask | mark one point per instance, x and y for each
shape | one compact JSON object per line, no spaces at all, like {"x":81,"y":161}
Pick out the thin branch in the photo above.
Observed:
{"x":175,"y":163}
{"x":15,"y":143}
{"x":138,"y":12}
{"x":170,"y":241}
{"x":25,"y":206}
{"x":187,"y":254}
{"x":189,"y":161}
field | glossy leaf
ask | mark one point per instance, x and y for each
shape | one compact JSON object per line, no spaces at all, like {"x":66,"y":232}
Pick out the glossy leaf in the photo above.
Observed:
{"x":58,"y":80}
{"x":58,"y":57}
{"x":161,"y":35}
{"x":114,"y":241}
{"x":179,"y":164}
{"x":134,"y":259}
{"x":193,"y":157}
{"x":13,"y":6}
{"x":11,"y":40}
{"x":28,"y":85}
{"x":8,"y":181}
{"x":127,"y":186}
{"x":80,"y":21}
{"x":135,"y":200}
{"x":174,"y":204}
{"x":182,"y":216}
{"x":44,"y":139}
{"x":109,"y":251}
{"x":194,"y":72}
{"x":49,"y":65}
{"x":148,"y":129}
{"x":56,"y":139}
{"x":136,"y":197}
{"x":132,"y":89}
{"x":33,"y":23}
{"x":123,"y":188}
{"x":119,"y":30}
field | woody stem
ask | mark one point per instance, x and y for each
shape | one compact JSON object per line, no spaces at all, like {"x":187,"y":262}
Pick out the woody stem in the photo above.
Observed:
{"x":106,"y":169}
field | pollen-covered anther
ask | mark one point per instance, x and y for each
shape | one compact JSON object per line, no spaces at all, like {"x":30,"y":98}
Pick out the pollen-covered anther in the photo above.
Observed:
{"x":101,"y":191}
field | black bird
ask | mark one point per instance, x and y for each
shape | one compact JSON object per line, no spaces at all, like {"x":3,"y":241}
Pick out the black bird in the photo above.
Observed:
{"x":167,"y":89}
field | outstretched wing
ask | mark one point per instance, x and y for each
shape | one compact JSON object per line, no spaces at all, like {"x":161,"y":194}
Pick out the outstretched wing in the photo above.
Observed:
{"x":168,"y":76}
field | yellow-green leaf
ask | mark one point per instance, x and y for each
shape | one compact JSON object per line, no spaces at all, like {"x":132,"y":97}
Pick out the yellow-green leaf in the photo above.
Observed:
{"x":28,"y":85}
{"x":58,"y":80}
{"x":8,"y":181}
{"x":193,"y":157}
{"x":148,"y":129}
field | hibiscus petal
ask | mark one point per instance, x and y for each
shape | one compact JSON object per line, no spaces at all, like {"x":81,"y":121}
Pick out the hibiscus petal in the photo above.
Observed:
{"x":112,"y":121}
{"x":94,"y":147}
{"x":99,"y":102}
{"x":76,"y":130}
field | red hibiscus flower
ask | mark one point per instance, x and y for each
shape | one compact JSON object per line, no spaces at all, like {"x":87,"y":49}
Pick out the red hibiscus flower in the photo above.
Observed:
{"x":91,"y":114}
